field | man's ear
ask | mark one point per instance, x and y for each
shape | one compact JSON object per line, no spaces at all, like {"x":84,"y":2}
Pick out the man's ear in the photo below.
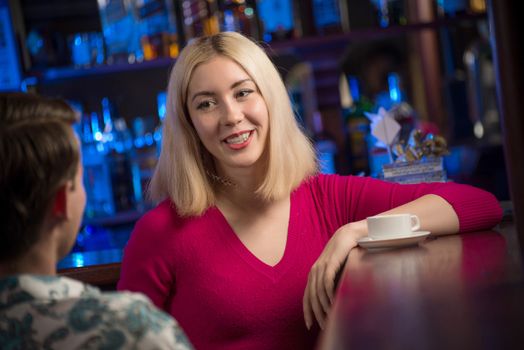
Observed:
{"x":60,"y":202}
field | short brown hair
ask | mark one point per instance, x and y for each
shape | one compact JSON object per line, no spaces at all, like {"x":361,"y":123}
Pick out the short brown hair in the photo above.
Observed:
{"x":38,"y":153}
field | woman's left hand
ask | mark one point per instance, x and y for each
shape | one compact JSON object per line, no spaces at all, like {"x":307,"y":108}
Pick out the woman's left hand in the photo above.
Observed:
{"x":319,"y":292}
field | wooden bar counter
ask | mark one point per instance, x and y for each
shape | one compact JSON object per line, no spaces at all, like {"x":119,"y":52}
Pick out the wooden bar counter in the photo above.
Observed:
{"x":452,"y":292}
{"x":98,"y":268}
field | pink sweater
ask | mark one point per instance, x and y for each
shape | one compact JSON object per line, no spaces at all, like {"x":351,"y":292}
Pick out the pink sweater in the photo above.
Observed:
{"x":225,"y":298}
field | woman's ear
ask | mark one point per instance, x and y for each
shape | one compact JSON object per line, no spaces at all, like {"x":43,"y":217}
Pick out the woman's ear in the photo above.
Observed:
{"x":60,"y":202}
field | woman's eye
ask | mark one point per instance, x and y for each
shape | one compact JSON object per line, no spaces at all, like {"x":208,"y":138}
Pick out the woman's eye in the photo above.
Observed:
{"x":204,"y":105}
{"x":244,"y":93}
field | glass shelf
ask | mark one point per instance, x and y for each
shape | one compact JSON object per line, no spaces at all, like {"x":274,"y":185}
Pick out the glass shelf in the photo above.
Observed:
{"x":316,"y":42}
{"x":306,"y":43}
{"x":60,"y":73}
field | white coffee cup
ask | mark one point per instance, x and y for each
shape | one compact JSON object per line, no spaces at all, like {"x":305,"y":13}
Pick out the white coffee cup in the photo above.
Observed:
{"x":387,"y":226}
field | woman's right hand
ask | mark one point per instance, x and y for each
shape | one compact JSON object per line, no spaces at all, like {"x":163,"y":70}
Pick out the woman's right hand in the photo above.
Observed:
{"x":319,"y":292}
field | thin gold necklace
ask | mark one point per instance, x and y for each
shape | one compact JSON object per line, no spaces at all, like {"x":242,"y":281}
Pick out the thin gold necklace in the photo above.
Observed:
{"x":221,"y":180}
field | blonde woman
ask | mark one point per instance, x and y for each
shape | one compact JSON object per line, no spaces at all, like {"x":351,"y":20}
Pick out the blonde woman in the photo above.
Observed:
{"x":246,"y":241}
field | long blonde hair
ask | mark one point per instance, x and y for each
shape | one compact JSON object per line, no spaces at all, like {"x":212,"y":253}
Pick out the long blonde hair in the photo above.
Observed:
{"x":182,"y":170}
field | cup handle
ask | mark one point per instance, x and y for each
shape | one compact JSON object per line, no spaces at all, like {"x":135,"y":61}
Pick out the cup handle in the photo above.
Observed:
{"x":415,"y":223}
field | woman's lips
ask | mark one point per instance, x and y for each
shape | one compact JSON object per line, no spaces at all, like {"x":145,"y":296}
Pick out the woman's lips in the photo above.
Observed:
{"x":239,"y":140}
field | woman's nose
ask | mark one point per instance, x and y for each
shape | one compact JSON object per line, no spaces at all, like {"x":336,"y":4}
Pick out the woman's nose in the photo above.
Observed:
{"x":232,"y":114}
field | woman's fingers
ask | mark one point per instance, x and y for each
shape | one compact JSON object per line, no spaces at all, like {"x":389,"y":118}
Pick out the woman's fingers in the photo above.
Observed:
{"x":317,"y":288}
{"x":321,"y":287}
{"x":314,"y":298}
{"x":306,"y":305}
{"x":313,"y":309}
{"x":329,"y":283}
{"x":319,"y":291}
{"x":337,"y":260}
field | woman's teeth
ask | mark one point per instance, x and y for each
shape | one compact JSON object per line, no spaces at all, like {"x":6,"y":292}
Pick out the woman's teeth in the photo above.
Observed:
{"x":239,"y":138}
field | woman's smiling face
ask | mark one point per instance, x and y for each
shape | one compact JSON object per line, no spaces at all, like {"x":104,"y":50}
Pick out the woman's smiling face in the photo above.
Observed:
{"x":229,"y":113}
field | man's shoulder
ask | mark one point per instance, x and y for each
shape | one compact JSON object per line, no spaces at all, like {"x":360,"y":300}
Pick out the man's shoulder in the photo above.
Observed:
{"x":141,"y":321}
{"x":76,"y":318}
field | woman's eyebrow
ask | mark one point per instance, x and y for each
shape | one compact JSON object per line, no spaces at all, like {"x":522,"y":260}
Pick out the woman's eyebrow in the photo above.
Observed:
{"x":240,"y":82}
{"x":202,"y":93}
{"x":209,"y":93}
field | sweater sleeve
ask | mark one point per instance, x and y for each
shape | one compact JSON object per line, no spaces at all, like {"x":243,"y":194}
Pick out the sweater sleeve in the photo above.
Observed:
{"x":145,"y":267}
{"x":363,"y":196}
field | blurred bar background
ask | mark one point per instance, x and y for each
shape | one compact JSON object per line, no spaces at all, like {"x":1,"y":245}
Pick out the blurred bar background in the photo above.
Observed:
{"x":430,"y":62}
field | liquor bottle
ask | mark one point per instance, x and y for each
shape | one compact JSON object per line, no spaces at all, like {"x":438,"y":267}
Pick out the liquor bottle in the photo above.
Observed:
{"x":10,"y":71}
{"x":327,"y":16}
{"x":201,"y":17}
{"x":125,"y":174}
{"x":125,"y":171}
{"x":145,"y":151}
{"x":480,"y":84}
{"x":161,"y":110}
{"x":158,"y":29}
{"x":477,"y":6}
{"x":358,"y":127}
{"x":97,"y":175}
{"x":325,"y":146}
{"x":390,"y":12}
{"x":240,"y":16}
{"x":107,"y":119}
{"x":277,"y":19}
{"x":120,"y":30}
{"x":451,"y":8}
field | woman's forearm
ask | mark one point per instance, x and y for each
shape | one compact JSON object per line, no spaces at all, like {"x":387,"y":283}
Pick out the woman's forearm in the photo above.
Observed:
{"x":435,"y":213}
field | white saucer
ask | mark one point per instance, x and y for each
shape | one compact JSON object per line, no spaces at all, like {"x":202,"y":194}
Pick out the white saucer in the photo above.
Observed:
{"x":391,"y":242}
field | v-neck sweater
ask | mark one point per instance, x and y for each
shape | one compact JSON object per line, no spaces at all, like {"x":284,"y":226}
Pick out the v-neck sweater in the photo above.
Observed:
{"x":224,"y":297}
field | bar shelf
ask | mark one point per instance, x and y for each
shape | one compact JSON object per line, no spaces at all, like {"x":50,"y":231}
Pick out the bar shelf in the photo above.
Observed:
{"x":273,"y":48}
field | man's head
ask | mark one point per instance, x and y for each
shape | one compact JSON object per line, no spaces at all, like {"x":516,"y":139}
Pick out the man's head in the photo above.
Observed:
{"x":40,"y":174}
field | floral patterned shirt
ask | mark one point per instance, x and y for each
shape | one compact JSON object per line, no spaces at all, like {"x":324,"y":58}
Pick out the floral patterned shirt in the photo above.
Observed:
{"x":51,"y":312}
